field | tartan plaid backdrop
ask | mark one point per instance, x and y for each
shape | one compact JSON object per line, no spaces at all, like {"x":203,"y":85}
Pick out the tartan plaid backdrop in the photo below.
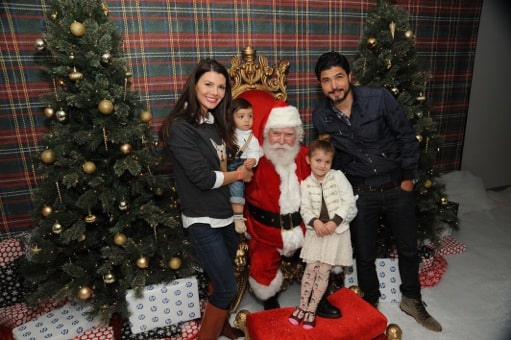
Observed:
{"x":163,"y":40}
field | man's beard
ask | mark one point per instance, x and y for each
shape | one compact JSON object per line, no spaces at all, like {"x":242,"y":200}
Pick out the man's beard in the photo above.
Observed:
{"x":278,"y":154}
{"x":339,"y":99}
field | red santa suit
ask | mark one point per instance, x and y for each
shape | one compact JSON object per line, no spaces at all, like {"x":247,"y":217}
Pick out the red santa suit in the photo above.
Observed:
{"x":274,"y":224}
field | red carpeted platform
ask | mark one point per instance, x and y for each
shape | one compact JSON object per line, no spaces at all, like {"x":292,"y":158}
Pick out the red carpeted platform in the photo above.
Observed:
{"x":359,"y":321}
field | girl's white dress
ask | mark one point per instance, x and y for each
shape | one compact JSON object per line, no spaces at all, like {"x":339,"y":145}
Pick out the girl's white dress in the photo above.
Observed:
{"x":334,"y":249}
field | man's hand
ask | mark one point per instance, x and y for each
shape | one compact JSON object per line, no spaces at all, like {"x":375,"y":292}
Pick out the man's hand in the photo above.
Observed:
{"x":407,"y":185}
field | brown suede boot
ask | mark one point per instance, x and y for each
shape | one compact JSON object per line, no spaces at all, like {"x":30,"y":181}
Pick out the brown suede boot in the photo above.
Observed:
{"x":212,"y":322}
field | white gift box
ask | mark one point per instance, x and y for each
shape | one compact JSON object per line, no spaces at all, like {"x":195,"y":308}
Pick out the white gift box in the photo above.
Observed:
{"x":164,"y":305}
{"x":63,"y":323}
{"x":388,"y":275}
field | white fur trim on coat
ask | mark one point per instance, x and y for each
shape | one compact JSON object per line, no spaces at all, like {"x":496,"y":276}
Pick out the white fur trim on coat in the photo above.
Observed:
{"x":265,"y":292}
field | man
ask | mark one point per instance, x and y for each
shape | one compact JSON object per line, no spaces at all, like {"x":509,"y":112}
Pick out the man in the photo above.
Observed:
{"x":274,"y":224}
{"x":377,"y":150}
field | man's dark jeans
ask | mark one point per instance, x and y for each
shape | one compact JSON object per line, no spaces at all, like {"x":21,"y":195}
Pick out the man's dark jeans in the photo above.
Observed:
{"x":398,"y":209}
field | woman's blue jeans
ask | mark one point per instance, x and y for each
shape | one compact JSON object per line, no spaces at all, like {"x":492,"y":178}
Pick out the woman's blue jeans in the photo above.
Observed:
{"x":216,"y":249}
{"x":398,"y":209}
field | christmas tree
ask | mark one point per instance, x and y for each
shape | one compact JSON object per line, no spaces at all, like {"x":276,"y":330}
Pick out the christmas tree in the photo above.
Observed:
{"x":387,"y":57}
{"x":106,"y":214}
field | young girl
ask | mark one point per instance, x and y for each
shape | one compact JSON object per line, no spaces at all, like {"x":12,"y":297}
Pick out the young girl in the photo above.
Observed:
{"x":249,"y":152}
{"x":327,"y":207}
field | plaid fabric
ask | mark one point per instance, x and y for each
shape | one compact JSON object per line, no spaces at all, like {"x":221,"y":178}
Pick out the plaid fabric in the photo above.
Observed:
{"x":163,"y":40}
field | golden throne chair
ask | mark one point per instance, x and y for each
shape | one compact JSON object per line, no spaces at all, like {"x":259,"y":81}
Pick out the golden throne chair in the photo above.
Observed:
{"x":253,"y":78}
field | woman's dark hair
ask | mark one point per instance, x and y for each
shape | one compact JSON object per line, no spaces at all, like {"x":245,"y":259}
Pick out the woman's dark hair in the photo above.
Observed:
{"x":188,"y":106}
{"x":321,"y":143}
{"x":329,"y":60}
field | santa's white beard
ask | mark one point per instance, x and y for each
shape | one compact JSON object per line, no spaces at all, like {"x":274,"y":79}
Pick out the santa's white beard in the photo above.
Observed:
{"x":280,"y":155}
{"x":283,"y":158}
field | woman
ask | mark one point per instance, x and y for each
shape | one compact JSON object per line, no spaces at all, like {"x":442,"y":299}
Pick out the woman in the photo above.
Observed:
{"x":196,"y":134}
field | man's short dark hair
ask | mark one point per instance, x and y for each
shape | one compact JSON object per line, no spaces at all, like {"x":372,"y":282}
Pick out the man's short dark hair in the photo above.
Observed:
{"x":329,"y":60}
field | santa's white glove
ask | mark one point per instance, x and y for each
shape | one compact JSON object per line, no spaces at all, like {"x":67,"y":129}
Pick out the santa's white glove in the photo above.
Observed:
{"x":291,"y":240}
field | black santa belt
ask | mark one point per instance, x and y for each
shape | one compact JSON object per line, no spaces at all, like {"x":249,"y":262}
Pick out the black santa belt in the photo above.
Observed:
{"x":286,"y":221}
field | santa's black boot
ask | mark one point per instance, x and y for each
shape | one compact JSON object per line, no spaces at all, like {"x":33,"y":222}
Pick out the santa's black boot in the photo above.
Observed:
{"x":271,"y":303}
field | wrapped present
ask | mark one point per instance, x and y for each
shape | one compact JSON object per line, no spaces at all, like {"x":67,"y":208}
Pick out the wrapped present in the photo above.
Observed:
{"x":388,"y":275}
{"x":10,"y":250}
{"x":164,"y":305}
{"x":19,"y":313}
{"x":65,"y":322}
{"x":450,"y":246}
{"x":432,"y":270}
{"x":97,"y":333}
{"x":12,"y":285}
{"x":167,"y":332}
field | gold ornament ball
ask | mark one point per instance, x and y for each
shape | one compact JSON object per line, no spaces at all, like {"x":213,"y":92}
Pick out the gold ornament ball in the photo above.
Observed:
{"x":120,"y":239}
{"x":394,"y":332}
{"x":48,"y":156}
{"x":46,"y":210}
{"x":75,"y":75}
{"x":444,"y":201}
{"x":49,"y":112}
{"x":84,"y":293}
{"x":123,"y":205}
{"x":56,"y":228}
{"x":125,"y":148}
{"x":90,"y":218}
{"x":175,"y":263}
{"x":77,"y":29}
{"x":109,"y":278}
{"x":428,"y":184}
{"x":89,"y":167}
{"x":159,"y":192}
{"x":371,"y":42}
{"x":146,"y":116}
{"x":142,"y":262}
{"x":409,"y":34}
{"x":106,"y":59}
{"x":39,"y":44}
{"x":106,"y":107}
{"x":54,"y":16}
{"x":419,"y":138}
{"x":61,"y":115}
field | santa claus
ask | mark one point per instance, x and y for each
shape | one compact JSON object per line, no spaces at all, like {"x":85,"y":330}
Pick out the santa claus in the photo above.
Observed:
{"x":274,"y":224}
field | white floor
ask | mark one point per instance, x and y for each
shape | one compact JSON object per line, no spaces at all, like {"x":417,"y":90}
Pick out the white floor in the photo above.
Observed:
{"x":473,"y":299}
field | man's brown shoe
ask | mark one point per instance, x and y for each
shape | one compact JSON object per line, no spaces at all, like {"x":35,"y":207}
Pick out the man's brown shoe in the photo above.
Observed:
{"x":417,"y":309}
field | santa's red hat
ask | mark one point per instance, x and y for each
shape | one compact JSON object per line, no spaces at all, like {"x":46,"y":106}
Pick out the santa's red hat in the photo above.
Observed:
{"x":269,"y":113}
{"x":283,"y":115}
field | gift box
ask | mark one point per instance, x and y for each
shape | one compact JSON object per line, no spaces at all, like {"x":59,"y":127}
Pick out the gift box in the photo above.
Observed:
{"x":10,"y":250}
{"x":19,"y":313}
{"x":66,"y":322}
{"x":97,"y":333}
{"x":164,"y":305}
{"x":388,"y":276}
{"x":12,"y":286}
